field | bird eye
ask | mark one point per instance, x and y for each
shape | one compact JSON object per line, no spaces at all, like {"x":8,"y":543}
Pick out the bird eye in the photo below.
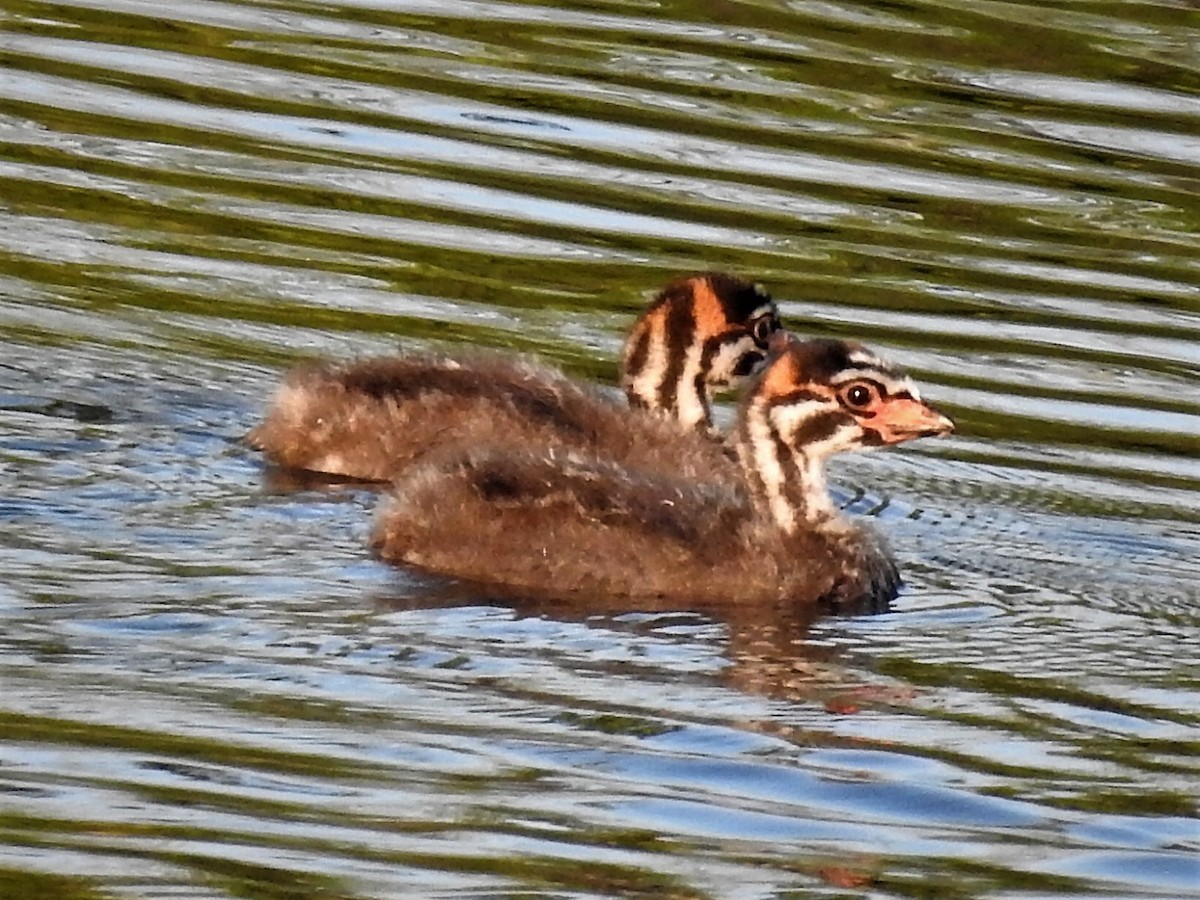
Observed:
{"x":762,"y":328}
{"x":859,"y":395}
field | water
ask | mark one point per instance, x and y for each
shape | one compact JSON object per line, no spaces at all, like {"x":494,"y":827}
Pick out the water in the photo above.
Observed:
{"x":211,"y":690}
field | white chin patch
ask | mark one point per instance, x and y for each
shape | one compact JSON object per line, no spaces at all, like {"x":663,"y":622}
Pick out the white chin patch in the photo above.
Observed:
{"x":723,"y":371}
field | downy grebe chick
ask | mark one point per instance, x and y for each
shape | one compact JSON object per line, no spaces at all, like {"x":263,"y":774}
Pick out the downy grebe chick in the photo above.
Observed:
{"x":700,"y":334}
{"x":564,"y":524}
{"x":371,"y":419}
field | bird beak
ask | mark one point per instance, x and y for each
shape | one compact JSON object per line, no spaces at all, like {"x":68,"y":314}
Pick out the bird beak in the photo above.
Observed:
{"x":779,"y":342}
{"x":904,"y":419}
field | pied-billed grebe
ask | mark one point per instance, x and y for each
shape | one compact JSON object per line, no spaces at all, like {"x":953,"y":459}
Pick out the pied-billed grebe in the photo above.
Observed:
{"x":373,"y":418}
{"x":566,"y":524}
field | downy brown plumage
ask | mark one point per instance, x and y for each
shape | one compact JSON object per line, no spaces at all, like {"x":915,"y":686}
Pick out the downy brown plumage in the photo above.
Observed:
{"x":553,"y":522}
{"x":373,"y":418}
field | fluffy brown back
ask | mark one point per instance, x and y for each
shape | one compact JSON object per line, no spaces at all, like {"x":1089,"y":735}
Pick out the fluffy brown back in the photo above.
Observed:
{"x":375,"y":418}
{"x":567,"y":525}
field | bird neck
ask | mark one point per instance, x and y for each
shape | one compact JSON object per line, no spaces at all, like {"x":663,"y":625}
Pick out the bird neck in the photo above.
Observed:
{"x":692,"y":406}
{"x":669,"y":378}
{"x":786,"y":483}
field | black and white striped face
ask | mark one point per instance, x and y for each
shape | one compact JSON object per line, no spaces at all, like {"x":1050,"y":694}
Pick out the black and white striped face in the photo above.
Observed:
{"x":701,"y":334}
{"x":813,"y":400}
{"x":827,"y":397}
{"x":737,"y":349}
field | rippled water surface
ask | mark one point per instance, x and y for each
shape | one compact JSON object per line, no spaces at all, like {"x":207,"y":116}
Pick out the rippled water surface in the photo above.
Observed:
{"x":210,"y":689}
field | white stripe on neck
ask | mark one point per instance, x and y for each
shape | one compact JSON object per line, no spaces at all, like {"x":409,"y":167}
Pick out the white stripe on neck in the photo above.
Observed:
{"x":795,"y":486}
{"x":764,"y":460}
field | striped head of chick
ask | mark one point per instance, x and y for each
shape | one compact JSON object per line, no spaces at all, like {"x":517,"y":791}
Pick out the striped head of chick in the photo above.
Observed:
{"x":816,"y":399}
{"x":701,"y":334}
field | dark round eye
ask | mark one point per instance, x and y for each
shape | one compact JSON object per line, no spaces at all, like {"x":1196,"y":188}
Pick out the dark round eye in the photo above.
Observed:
{"x":762,"y":328}
{"x":860,"y":395}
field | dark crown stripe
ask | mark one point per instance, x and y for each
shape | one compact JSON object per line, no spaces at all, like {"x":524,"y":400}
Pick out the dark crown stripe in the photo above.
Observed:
{"x":738,"y":297}
{"x":881,"y":377}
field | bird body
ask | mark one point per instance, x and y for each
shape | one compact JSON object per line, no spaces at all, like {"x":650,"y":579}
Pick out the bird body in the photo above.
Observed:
{"x":700,"y":333}
{"x":569,"y":523}
{"x":570,"y":526}
{"x":373,"y":418}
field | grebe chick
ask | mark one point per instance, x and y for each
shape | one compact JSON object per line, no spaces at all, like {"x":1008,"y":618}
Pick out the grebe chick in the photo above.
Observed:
{"x":371,"y":419}
{"x":701,"y":334}
{"x":564,"y":524}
